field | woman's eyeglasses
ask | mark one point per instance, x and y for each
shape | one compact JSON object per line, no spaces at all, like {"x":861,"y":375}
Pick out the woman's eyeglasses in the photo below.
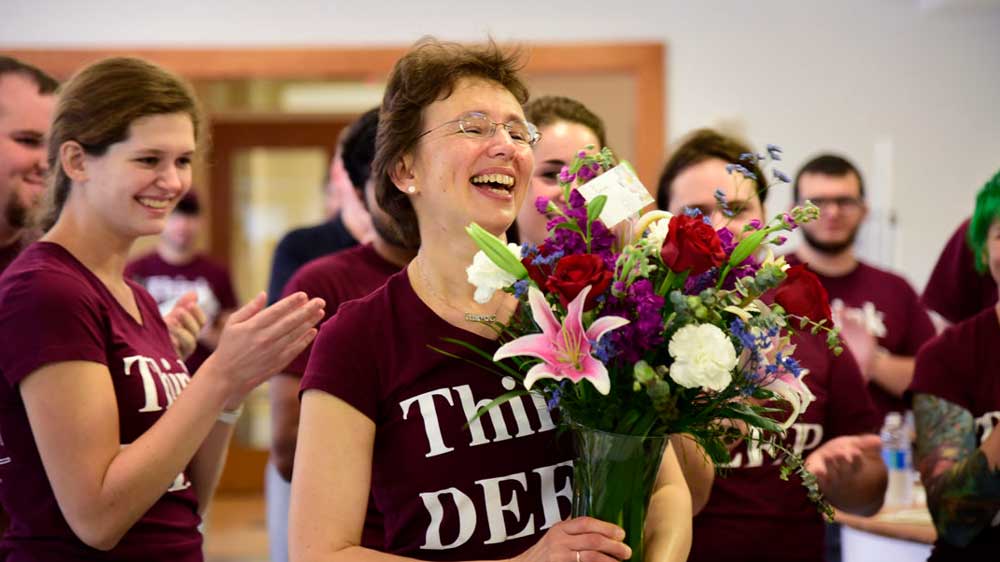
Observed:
{"x":479,"y":126}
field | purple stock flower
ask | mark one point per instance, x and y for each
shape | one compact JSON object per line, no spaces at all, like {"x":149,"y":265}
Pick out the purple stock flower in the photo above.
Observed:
{"x":789,"y":220}
{"x":568,"y":242}
{"x":698,"y":283}
{"x":643,"y":307}
{"x":755,"y":224}
{"x":565,"y":176}
{"x":542,"y":205}
{"x":586,"y":173}
{"x":781,"y":176}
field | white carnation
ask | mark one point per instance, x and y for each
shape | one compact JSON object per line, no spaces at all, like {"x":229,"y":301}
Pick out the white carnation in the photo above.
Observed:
{"x":488,"y":277}
{"x":658,"y":232}
{"x":703,"y":357}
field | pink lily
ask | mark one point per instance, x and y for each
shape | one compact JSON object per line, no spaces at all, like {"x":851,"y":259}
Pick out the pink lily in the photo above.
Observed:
{"x":564,"y":349}
{"x":793,"y":390}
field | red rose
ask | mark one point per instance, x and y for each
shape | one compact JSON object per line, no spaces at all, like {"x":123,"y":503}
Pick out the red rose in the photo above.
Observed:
{"x":802,"y":294}
{"x":691,"y":245}
{"x":573,"y":273}
{"x":535,"y":272}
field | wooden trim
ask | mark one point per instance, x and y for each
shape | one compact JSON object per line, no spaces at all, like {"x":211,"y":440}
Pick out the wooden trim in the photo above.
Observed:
{"x":644,"y":61}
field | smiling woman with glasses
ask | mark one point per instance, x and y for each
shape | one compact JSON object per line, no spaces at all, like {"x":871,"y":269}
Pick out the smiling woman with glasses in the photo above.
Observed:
{"x":388,"y":463}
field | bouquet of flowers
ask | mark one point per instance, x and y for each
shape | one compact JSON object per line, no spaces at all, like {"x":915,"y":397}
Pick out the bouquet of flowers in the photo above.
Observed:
{"x":639,"y":328}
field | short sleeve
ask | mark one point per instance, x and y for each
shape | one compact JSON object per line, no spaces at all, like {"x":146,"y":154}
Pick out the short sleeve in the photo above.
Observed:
{"x":920,"y":328}
{"x":343,"y":361}
{"x":309,"y":281}
{"x":939,"y":369}
{"x":955,"y":288}
{"x":850,"y":408}
{"x":48,"y":317}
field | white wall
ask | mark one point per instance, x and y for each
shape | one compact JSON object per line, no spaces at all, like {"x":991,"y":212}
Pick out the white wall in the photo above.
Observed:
{"x":920,"y":77}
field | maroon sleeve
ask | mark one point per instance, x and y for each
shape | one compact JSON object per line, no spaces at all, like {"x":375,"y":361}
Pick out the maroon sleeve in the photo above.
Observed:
{"x":953,"y":290}
{"x":850,"y":410}
{"x":312,"y":284}
{"x":343,"y":363}
{"x":919,"y":326}
{"x":48,"y":317}
{"x":938,"y":363}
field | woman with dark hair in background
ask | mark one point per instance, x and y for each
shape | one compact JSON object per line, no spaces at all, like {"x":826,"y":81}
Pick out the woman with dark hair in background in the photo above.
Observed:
{"x":774,"y":518}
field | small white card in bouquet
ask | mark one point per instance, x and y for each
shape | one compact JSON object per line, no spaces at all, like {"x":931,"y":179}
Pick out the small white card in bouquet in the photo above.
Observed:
{"x":626,"y":194}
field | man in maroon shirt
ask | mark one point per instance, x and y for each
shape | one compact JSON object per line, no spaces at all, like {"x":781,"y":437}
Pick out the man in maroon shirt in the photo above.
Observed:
{"x":879,"y":313}
{"x":337,"y":278}
{"x":177,"y":268}
{"x":27,"y":98}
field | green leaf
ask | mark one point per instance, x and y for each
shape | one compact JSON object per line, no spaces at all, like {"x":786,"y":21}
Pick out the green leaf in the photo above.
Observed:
{"x":502,"y":399}
{"x":507,"y":369}
{"x":746,"y":247}
{"x":497,"y":251}
{"x":595,"y":206}
{"x":568,"y":226}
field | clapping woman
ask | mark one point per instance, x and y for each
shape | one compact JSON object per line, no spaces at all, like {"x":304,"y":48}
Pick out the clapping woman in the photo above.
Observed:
{"x":111,"y":450}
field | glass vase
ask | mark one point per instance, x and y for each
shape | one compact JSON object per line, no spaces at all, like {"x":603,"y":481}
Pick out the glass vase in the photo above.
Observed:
{"x":613,"y":479}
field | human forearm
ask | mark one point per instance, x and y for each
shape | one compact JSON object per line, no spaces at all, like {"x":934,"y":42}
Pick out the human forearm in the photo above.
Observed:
{"x":284,"y":396}
{"x":961,"y":479}
{"x":893,"y":373}
{"x":698,"y":470}
{"x":104,"y":487}
{"x":209,"y":462}
{"x":668,"y":522}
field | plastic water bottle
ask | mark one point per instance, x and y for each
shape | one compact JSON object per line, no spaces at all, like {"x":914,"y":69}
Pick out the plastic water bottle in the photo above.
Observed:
{"x":897,"y":454}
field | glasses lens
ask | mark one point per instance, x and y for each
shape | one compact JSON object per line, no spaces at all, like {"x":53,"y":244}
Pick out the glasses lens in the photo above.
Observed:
{"x":476,"y":125}
{"x":519,"y":132}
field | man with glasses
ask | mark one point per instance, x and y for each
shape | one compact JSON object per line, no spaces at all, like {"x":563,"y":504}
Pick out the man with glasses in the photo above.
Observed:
{"x":879,"y":313}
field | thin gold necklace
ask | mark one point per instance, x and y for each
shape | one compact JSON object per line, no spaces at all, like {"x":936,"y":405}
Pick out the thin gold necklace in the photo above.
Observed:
{"x":468,"y":316}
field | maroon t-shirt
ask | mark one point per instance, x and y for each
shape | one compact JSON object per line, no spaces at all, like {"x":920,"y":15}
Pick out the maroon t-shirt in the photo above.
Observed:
{"x":962,"y":365}
{"x":449,"y":489}
{"x":167,"y":282}
{"x":956,"y":290}
{"x":337,"y":278}
{"x":893,"y":315}
{"x":53,"y":309}
{"x":8,"y":253}
{"x":770,"y":519}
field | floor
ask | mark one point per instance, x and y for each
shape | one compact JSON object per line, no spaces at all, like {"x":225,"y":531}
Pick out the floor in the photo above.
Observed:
{"x":236,"y":530}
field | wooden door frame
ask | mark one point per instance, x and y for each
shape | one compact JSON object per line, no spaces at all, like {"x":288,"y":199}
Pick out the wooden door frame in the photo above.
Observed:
{"x":645,"y":62}
{"x":244,"y":131}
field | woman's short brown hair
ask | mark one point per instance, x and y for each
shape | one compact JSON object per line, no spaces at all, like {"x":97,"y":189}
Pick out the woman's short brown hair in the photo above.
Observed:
{"x":425,"y":74}
{"x":701,"y":145}
{"x":551,"y":109}
{"x":98,"y":105}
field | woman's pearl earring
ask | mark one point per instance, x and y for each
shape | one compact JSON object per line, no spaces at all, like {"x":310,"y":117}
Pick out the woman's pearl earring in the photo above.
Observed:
{"x":411,"y":189}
